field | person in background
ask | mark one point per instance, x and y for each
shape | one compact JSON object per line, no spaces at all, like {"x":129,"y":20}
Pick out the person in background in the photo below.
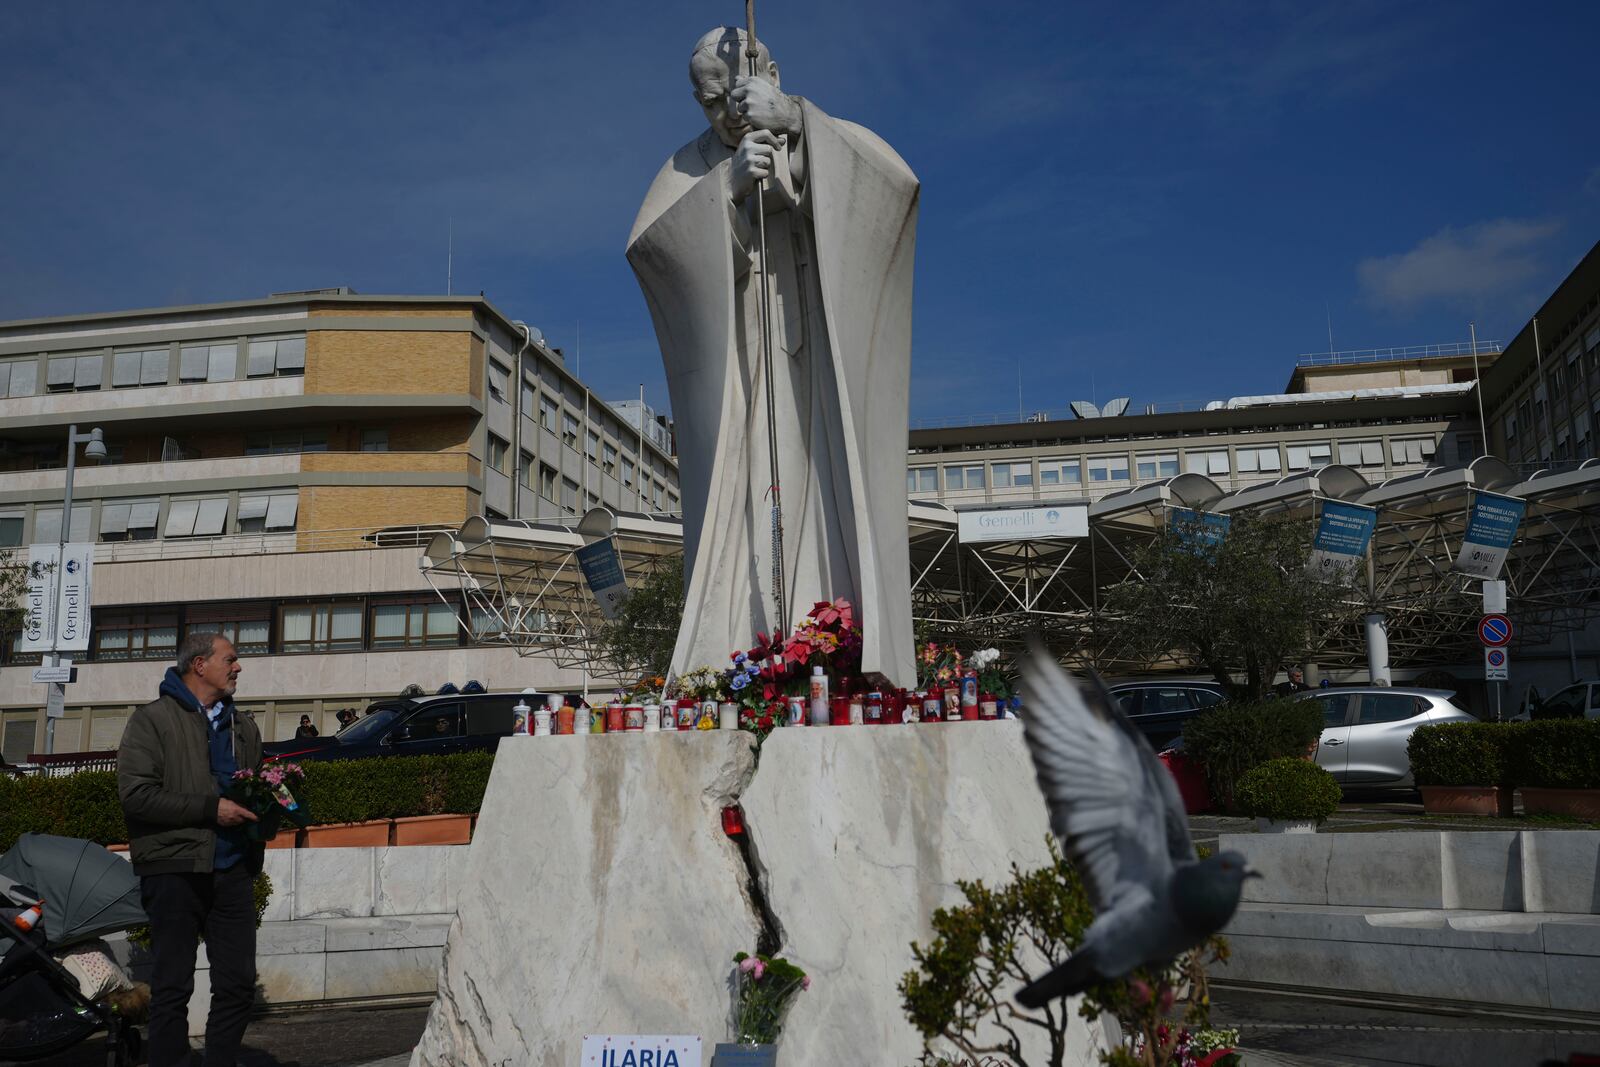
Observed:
{"x":305,"y":729}
{"x":1295,"y":684}
{"x":188,"y":845}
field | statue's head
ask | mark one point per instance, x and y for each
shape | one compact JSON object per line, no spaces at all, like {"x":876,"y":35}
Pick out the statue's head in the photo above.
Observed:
{"x":717,"y":61}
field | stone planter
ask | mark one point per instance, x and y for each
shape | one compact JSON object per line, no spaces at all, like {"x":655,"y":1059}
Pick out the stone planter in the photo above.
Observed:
{"x":730,"y":1055}
{"x":433,"y":830}
{"x":374,"y":834}
{"x":1578,"y":803}
{"x":1287,"y":826}
{"x":1466,"y":800}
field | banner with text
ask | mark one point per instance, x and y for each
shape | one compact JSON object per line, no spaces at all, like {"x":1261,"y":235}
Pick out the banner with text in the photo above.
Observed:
{"x":1343,"y":533}
{"x":641,"y":1050}
{"x":1491,"y":527}
{"x":57,"y":600}
{"x":1023,"y":524}
{"x":38,"y":607}
{"x":602,"y":569}
{"x":1196,"y":528}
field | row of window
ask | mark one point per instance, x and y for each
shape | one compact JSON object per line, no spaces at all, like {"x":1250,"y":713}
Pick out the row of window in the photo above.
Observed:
{"x":220,"y":361}
{"x":1112,"y":470}
{"x":551,"y":416}
{"x":656,"y":493}
{"x":1563,"y":379}
{"x":260,"y":628}
{"x":262,"y":511}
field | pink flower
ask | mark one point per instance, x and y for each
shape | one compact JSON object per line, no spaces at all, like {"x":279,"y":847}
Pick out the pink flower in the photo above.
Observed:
{"x":758,"y":970}
{"x":805,"y":983}
{"x":1167,"y":998}
{"x":748,"y":964}
{"x":1139,"y":989}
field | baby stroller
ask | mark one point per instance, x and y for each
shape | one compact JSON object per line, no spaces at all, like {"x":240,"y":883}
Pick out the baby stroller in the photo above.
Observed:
{"x":87,"y":892}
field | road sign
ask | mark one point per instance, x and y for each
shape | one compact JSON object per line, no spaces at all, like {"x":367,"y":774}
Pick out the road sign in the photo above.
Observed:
{"x":55,"y":702}
{"x":64,"y":673}
{"x":1494,"y":631}
{"x":1496,"y":665}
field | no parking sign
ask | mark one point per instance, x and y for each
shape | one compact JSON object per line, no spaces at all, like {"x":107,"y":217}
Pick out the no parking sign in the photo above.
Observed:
{"x":1496,"y":665}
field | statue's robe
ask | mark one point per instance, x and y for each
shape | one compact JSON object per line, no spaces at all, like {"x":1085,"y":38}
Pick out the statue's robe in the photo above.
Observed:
{"x":840,"y":245}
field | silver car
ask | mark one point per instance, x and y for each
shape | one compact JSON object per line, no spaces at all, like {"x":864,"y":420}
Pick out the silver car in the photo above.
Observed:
{"x":1364,"y":731}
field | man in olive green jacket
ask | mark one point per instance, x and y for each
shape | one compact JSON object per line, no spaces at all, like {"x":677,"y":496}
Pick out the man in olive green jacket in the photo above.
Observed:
{"x":187,"y":841}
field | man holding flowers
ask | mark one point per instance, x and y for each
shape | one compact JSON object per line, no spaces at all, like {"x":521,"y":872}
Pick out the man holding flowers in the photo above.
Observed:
{"x":189,"y":846}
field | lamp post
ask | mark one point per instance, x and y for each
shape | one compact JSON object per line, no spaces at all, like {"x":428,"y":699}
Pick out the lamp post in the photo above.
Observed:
{"x":95,"y":448}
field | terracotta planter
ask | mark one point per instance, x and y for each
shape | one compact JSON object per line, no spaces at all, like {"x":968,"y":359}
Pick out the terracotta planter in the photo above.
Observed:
{"x":349,"y":834}
{"x":1466,"y":800}
{"x":433,"y":830}
{"x":286,"y":837}
{"x":116,"y":848}
{"x":1578,"y":803}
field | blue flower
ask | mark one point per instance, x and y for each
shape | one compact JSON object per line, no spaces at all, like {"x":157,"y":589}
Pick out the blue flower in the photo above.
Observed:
{"x":739,"y":682}
{"x":739,"y":657}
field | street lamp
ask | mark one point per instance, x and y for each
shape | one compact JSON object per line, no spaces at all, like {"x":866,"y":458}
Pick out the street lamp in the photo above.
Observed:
{"x":94,"y":448}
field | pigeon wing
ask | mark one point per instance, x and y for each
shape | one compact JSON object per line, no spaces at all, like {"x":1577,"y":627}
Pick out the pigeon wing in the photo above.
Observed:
{"x":1115,"y":818}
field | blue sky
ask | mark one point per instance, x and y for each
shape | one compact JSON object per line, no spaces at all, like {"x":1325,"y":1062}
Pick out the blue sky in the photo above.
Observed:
{"x":1167,"y":202}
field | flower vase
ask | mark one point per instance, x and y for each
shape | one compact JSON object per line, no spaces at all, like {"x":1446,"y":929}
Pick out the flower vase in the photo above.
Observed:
{"x":729,"y":1054}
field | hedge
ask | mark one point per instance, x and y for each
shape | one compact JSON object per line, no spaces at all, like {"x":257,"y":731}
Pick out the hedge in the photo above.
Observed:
{"x":1461,"y":753}
{"x":1288,"y":789}
{"x":1231,"y":739}
{"x":86,"y":805}
{"x":1554,"y":753}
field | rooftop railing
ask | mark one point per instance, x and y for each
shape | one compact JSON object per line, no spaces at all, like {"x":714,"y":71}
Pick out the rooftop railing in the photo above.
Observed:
{"x":1384,"y":355}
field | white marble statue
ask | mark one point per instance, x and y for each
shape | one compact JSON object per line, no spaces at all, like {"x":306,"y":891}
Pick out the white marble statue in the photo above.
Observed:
{"x":841,"y":214}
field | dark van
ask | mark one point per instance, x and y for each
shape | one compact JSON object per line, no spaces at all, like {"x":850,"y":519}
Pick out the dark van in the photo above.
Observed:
{"x":416,"y":726}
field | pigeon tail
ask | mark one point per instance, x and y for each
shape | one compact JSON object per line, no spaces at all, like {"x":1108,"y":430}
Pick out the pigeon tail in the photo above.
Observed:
{"x":1073,"y":976}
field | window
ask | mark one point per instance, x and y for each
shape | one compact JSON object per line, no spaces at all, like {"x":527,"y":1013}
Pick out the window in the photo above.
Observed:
{"x":1108,"y":468}
{"x":262,"y":512}
{"x":499,"y":381}
{"x":375,"y":440}
{"x":285,"y":442}
{"x":485,"y":622}
{"x":202,"y":517}
{"x":135,"y":634}
{"x":209,"y":363}
{"x":569,"y":430}
{"x":1254,"y":460}
{"x":329,"y":626}
{"x":922,"y":479}
{"x":1415,"y":450}
{"x":274,"y":355}
{"x":1335,"y":709}
{"x":1206,"y":463}
{"x":1161,"y":466}
{"x":547,"y":482}
{"x":65,"y":374}
{"x":129,"y":520}
{"x":1060,"y":472}
{"x":10,"y":529}
{"x":569,"y":494}
{"x":431,"y":723}
{"x":47,"y":524}
{"x":413,"y":623}
{"x":627,"y":471}
{"x":528,"y":401}
{"x":247,"y":626}
{"x":1511,"y":426}
{"x":497,"y":453}
{"x":19,"y":377}
{"x":963,"y":477}
{"x":672,"y":503}
{"x":609,"y":461}
{"x":141,"y":367}
{"x":1308,"y":457}
{"x":547,"y":413}
{"x":1012,"y":474}
{"x":1387,"y":707}
{"x":592,"y":448}
{"x":525,"y":470}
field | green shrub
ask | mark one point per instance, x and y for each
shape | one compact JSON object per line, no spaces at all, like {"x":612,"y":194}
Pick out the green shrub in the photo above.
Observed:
{"x":1229,"y":740}
{"x":1461,"y":753}
{"x":79,"y":805}
{"x":1288,"y":789}
{"x":1556,"y":754}
{"x":467,"y":782}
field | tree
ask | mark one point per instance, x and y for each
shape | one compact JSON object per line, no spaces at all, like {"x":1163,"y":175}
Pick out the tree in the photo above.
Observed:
{"x":1239,"y":602}
{"x":13,"y":584}
{"x":639,"y":641}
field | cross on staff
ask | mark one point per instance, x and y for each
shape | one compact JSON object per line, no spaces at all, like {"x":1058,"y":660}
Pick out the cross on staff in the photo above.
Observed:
{"x":779,"y":594}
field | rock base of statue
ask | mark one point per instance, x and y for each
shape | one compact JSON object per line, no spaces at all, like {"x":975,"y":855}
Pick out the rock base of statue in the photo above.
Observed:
{"x":727,"y":1055}
{"x":601,"y":880}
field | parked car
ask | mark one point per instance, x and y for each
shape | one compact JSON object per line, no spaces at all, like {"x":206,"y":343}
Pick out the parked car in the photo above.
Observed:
{"x":416,"y":726}
{"x":1580,"y":701}
{"x":1365,"y":731}
{"x":1160,"y":708}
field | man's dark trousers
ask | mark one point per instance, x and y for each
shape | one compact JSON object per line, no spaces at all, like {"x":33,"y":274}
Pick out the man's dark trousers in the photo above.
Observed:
{"x":182,"y":907}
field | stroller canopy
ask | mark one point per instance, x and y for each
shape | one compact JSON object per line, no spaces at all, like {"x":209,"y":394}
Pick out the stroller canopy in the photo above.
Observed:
{"x":87,"y":891}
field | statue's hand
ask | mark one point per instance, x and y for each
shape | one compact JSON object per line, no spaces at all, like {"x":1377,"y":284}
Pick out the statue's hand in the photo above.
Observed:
{"x":752,"y":162}
{"x":764,"y":107}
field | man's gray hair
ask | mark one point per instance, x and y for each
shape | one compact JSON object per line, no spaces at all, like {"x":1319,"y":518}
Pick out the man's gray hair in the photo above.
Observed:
{"x":197,"y":645}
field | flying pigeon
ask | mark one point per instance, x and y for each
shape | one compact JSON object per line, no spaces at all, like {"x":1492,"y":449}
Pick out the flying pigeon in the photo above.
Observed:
{"x":1117,"y":812}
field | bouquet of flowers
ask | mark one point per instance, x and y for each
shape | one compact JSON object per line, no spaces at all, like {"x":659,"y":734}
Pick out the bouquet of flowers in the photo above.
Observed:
{"x":702,"y":683}
{"x":764,"y":987}
{"x":993,"y":676}
{"x":939,"y":665}
{"x":829,"y":637}
{"x":270,"y":795}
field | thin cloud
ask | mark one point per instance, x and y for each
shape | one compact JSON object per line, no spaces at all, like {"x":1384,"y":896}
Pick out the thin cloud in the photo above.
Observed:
{"x":1490,"y":259}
